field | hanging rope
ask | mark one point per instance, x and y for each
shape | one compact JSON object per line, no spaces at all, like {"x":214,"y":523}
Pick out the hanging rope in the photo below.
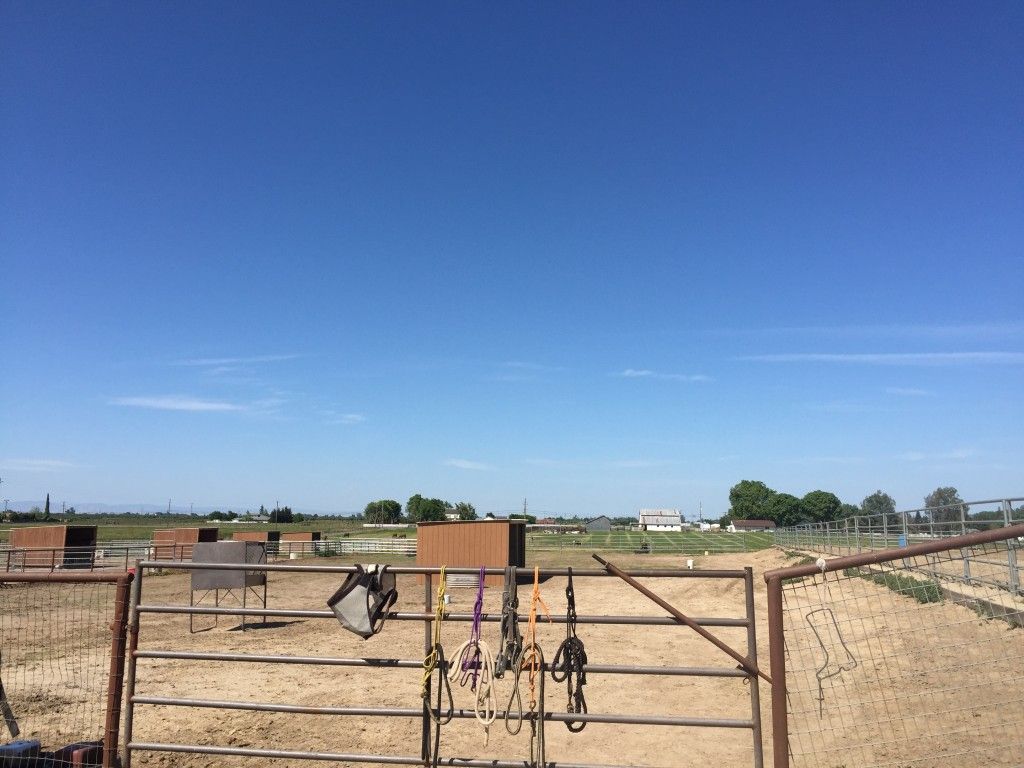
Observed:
{"x":532,"y":659}
{"x":435,"y":660}
{"x":570,"y":661}
{"x":511,"y":638}
{"x":473,"y":662}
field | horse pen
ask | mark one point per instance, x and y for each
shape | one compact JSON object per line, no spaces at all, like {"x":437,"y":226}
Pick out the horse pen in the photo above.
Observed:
{"x":894,"y":659}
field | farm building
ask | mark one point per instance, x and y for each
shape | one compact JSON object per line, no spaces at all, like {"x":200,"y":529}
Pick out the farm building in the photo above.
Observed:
{"x":602,"y":523}
{"x":753,"y":525}
{"x":472,"y":543}
{"x":269,"y":538}
{"x":176,"y":543}
{"x":55,"y":546}
{"x":300,"y":536}
{"x":660,"y":520}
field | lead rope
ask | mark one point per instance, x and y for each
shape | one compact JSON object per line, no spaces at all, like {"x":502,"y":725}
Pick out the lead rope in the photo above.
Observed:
{"x":570,"y":661}
{"x":511,"y":638}
{"x":435,"y":660}
{"x":473,"y":662}
{"x":533,"y":658}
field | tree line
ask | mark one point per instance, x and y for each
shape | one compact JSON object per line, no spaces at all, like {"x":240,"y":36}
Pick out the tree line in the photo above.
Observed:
{"x":418,"y":509}
{"x":754,"y":500}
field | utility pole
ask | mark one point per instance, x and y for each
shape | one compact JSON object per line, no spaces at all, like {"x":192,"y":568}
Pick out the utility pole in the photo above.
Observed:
{"x":168,"y":506}
{"x":524,"y":508}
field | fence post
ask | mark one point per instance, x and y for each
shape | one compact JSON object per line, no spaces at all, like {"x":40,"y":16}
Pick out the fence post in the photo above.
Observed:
{"x":856,"y":531}
{"x":777,"y":658}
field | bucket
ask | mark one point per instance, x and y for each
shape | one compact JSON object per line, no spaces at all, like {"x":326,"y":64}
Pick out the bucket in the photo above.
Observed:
{"x":293,"y":555}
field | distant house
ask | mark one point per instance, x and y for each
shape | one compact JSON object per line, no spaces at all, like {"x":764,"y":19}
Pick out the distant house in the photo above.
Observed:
{"x":754,"y":525}
{"x":546,"y":521}
{"x":602,"y":523}
{"x":451,"y":514}
{"x":660,"y":520}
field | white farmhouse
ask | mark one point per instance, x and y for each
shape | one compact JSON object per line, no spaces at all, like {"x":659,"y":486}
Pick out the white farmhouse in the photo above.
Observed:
{"x":660,"y":520}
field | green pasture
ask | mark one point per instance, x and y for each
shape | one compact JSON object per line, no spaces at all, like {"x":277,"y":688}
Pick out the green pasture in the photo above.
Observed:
{"x":682,"y":542}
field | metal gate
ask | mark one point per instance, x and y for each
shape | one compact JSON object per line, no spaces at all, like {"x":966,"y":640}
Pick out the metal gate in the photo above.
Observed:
{"x":163,"y":654}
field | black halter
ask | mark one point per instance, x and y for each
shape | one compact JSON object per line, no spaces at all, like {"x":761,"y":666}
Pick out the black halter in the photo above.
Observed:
{"x":570,"y":662}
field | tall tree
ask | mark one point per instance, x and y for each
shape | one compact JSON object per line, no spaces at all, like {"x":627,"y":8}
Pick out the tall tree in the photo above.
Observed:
{"x":466,"y":510}
{"x":785,"y":509}
{"x":421,"y":510}
{"x":46,"y":512}
{"x":947,"y":505}
{"x":821,"y":506}
{"x":878,"y":503}
{"x":750,"y":500}
{"x":384,"y":511}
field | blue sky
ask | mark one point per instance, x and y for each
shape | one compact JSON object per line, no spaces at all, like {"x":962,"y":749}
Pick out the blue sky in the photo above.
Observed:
{"x":601,"y":256}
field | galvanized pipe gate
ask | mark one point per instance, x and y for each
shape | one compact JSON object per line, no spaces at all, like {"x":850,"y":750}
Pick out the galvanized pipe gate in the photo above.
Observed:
{"x":136,"y":672}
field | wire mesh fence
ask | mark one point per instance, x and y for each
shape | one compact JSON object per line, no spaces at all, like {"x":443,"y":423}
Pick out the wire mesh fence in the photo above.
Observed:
{"x":863,"y":533}
{"x":905,"y":659}
{"x":61,"y":666}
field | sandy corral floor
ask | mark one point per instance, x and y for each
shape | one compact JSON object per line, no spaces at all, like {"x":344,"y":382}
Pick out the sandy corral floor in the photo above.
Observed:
{"x":956,"y":627}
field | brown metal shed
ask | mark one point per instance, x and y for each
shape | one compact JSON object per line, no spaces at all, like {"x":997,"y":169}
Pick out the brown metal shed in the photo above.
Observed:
{"x":270,"y":538}
{"x":301,"y":536}
{"x":472,"y":543}
{"x":58,"y":546}
{"x":176,"y":543}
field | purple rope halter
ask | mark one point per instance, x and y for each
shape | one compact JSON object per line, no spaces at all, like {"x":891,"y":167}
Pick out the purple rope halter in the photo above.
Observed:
{"x":471,"y":661}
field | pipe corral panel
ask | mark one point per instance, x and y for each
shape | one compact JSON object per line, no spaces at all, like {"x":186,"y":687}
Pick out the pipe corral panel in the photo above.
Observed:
{"x":64,"y":546}
{"x":472,"y":543}
{"x":228,"y":552}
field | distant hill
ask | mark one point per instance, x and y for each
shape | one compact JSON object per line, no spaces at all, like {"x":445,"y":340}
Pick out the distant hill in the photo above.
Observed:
{"x":97,"y":508}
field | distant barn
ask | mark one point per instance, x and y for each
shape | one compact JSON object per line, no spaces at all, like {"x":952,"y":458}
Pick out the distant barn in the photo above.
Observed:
{"x":602,"y":523}
{"x":753,"y":525}
{"x":660,"y":520}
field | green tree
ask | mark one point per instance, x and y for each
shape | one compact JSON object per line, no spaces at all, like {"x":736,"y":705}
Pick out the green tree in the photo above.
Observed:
{"x":531,"y":519}
{"x":46,"y":512}
{"x":821,"y":506}
{"x":421,"y":510}
{"x":880,"y":503}
{"x":750,"y":500}
{"x":848,"y":510}
{"x":383,"y":511}
{"x":490,"y":516}
{"x":785,"y":509}
{"x":281,"y":515}
{"x":947,"y":506}
{"x":466,"y":510}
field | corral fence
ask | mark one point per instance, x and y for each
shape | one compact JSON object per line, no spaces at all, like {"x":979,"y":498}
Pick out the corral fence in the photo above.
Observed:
{"x":861,"y":533}
{"x":152,"y":648}
{"x":62,"y":655}
{"x":907,"y":657}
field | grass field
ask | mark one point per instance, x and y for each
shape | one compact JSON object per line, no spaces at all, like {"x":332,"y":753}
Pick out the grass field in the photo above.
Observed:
{"x":682,"y":542}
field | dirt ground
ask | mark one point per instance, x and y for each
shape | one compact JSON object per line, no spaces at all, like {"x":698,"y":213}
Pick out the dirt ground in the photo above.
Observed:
{"x":937,"y":638}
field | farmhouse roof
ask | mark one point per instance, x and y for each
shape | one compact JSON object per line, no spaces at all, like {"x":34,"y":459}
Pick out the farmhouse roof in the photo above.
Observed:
{"x":753,"y":523}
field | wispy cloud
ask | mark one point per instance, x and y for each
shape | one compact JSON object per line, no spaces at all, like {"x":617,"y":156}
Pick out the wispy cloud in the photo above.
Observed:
{"x":892,"y":330}
{"x":908,"y":392}
{"x":958,"y":454}
{"x":35,"y":465}
{"x":644,"y":373}
{"x":332,"y":417}
{"x":229,"y":362}
{"x":178,"y":403}
{"x":477,"y":466}
{"x":840,"y":460}
{"x":642,"y":463}
{"x":895,"y":358}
